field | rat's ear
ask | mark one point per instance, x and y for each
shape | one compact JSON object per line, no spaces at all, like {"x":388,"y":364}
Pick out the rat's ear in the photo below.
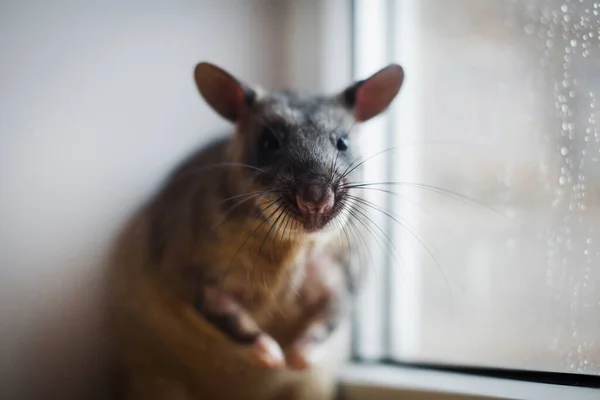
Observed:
{"x":224,"y":93}
{"x":371,"y":96}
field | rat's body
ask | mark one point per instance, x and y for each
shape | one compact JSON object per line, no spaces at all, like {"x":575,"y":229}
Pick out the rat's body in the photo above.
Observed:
{"x":233,"y":280}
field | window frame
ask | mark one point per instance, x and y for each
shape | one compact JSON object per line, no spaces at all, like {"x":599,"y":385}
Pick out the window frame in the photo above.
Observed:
{"x":374,"y":375}
{"x":390,"y":381}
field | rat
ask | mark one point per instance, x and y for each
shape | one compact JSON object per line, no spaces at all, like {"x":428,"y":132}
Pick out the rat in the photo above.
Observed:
{"x":233,"y":278}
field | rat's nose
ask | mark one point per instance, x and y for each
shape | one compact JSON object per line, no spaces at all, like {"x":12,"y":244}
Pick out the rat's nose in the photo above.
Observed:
{"x":315,"y":200}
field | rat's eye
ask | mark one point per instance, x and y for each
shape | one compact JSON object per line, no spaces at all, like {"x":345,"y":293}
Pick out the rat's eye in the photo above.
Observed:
{"x":269,"y":142}
{"x":342,"y":144}
{"x":268,"y":147}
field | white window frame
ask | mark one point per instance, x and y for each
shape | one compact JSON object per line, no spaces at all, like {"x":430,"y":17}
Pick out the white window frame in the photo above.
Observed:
{"x":382,"y":382}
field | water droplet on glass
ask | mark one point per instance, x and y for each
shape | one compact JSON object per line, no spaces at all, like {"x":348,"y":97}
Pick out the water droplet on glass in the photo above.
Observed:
{"x":564,"y":151}
{"x":529,"y":29}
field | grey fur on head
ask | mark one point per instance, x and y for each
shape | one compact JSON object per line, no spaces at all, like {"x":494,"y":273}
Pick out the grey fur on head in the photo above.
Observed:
{"x":302,"y":142}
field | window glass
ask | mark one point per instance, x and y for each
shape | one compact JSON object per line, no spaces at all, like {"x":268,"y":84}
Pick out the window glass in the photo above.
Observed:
{"x":498,"y":182}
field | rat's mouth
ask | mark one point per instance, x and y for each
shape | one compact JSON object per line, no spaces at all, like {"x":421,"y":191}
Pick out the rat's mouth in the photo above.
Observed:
{"x":313,"y":222}
{"x":308,"y":208}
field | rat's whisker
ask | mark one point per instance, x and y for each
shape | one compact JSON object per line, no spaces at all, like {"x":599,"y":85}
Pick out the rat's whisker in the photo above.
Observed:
{"x":390,"y":243}
{"x":185,"y":174}
{"x":237,"y":196}
{"x":435,"y":189}
{"x":178,"y":224}
{"x":394,"y":217}
{"x":353,"y":166}
{"x":281,"y":210}
{"x":250,"y":272}
{"x":264,"y":220}
{"x":358,"y":234}
{"x":228,"y":212}
{"x":333,"y":165}
{"x":290,"y":271}
{"x":435,"y":219}
{"x":367,"y":250}
{"x":402,"y":222}
{"x":364,"y":231}
{"x":342,"y":227}
{"x":263,"y":243}
{"x":285,"y":224}
{"x":339,"y":227}
{"x":412,"y":202}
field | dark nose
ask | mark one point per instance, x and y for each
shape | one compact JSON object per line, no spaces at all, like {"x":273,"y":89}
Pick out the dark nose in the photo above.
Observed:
{"x":315,"y":199}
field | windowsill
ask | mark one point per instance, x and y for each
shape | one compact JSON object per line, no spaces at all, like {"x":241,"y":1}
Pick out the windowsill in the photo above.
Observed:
{"x":382,"y":382}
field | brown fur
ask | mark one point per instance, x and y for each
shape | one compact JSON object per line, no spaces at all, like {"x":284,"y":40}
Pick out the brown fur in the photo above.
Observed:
{"x":166,"y":349}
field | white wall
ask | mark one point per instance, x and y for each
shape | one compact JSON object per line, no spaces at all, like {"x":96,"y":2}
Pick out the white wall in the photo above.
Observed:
{"x":318,"y":37}
{"x":97,"y":102}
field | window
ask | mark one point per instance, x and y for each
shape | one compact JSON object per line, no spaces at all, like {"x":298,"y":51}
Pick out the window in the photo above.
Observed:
{"x":494,"y":257}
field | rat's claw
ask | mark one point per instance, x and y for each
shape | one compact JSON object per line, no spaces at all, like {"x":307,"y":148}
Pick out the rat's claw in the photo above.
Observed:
{"x":265,"y":352}
{"x":303,"y":355}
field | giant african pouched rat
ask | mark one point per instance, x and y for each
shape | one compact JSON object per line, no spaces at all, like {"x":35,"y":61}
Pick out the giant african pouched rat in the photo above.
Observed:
{"x":230,"y":282}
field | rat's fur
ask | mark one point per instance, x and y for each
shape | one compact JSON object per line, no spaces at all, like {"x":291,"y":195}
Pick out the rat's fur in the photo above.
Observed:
{"x":221,"y":259}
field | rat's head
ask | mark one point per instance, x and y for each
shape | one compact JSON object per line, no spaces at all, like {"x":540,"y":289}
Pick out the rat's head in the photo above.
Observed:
{"x":301,"y":146}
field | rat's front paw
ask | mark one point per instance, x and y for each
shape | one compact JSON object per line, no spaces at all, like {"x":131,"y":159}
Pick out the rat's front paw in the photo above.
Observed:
{"x":225,"y":313}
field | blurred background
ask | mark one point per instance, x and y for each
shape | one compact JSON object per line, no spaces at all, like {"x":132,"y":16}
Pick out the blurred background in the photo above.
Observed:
{"x":495,"y":256}
{"x":97,"y":102}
